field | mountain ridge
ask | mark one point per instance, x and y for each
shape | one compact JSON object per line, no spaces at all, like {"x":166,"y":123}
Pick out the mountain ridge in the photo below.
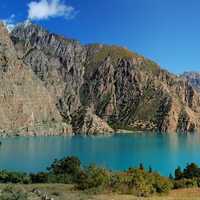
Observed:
{"x":100,"y":88}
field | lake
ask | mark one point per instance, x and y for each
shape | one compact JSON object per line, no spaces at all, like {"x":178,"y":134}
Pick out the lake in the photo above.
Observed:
{"x":163,"y":152}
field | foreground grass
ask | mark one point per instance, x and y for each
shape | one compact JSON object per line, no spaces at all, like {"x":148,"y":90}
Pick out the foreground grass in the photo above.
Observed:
{"x":67,"y":192}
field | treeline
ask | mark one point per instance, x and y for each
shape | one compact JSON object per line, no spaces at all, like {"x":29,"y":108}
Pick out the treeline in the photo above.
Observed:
{"x":136,"y":181}
{"x":188,"y":177}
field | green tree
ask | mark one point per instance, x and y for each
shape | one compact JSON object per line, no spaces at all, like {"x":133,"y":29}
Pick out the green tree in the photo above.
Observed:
{"x":191,"y":171}
{"x":150,"y":169}
{"x":141,"y":166}
{"x":70,"y":165}
{"x":178,"y":173}
{"x":171,"y":177}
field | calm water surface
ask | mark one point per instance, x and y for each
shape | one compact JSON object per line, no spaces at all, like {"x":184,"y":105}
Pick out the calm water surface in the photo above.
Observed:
{"x":163,"y":152}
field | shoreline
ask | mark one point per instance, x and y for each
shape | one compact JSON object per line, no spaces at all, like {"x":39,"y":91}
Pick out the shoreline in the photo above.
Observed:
{"x":59,"y":132}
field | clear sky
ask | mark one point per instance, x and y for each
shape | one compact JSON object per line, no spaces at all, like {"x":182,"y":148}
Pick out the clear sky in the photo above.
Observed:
{"x":167,"y":31}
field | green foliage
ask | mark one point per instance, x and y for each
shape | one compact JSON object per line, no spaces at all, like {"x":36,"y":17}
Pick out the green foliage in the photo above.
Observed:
{"x":14,"y":177}
{"x":93,"y":177}
{"x":162,"y":184}
{"x":69,"y":165}
{"x":59,"y":178}
{"x":188,"y":177}
{"x":136,"y":181}
{"x":141,"y":166}
{"x":40,"y":177}
{"x":185,"y":183}
{"x":191,"y":171}
{"x":140,"y":183}
{"x":178,"y":173}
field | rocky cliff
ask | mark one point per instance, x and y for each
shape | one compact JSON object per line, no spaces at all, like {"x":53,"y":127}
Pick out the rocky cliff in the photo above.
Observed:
{"x":193,"y":78}
{"x":25,"y":103}
{"x":98,"y":88}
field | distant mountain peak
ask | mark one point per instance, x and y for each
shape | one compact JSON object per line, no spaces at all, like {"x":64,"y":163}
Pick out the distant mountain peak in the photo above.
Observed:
{"x":193,"y":78}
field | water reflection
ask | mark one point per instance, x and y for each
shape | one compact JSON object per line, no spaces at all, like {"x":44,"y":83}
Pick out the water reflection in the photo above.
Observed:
{"x":164,"y":152}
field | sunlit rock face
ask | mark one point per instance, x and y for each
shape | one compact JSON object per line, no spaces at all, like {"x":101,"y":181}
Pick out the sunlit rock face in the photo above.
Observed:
{"x":24,"y":100}
{"x":98,"y":88}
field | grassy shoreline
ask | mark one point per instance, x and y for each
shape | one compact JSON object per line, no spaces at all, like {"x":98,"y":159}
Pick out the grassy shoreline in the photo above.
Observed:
{"x":66,"y":177}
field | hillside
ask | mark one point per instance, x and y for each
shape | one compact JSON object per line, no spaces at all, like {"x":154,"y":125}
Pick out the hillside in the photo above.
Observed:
{"x":47,"y":79}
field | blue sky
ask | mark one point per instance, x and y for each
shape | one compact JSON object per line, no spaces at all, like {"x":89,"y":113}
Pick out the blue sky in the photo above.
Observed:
{"x":167,"y":31}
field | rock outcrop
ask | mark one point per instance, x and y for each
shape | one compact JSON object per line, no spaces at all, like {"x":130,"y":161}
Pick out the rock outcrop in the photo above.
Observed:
{"x":85,"y":121}
{"x":98,"y":88}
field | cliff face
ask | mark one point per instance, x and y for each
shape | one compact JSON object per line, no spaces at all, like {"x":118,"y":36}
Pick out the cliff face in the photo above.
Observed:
{"x":96,"y":87}
{"x":24,"y":101}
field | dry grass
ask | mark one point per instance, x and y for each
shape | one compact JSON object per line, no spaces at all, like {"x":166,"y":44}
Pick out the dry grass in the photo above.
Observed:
{"x":67,"y":192}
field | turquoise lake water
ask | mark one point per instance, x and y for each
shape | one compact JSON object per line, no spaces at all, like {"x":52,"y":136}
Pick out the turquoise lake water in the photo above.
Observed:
{"x":162,"y":152}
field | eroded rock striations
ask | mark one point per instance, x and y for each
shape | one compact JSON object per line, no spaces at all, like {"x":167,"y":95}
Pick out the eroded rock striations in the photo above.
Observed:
{"x":99,"y":88}
{"x":25,"y":104}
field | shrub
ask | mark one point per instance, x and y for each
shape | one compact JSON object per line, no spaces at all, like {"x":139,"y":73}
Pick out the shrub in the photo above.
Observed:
{"x":162,"y":184}
{"x":69,"y":166}
{"x":140,"y":185}
{"x":92,"y":177}
{"x":59,"y":178}
{"x":185,"y":183}
{"x":139,"y":182}
{"x":40,"y":177}
{"x":14,"y":177}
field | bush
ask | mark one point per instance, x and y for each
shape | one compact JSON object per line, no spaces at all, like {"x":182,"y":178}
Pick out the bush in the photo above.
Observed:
{"x":14,"y":177}
{"x":162,"y":184}
{"x":70,"y":166}
{"x":140,"y":183}
{"x":40,"y":177}
{"x":92,"y":177}
{"x":59,"y":178}
{"x":185,"y":183}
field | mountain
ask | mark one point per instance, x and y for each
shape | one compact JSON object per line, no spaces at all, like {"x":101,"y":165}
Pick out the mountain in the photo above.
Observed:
{"x":99,"y":88}
{"x":193,"y":78}
{"x":25,"y":103}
